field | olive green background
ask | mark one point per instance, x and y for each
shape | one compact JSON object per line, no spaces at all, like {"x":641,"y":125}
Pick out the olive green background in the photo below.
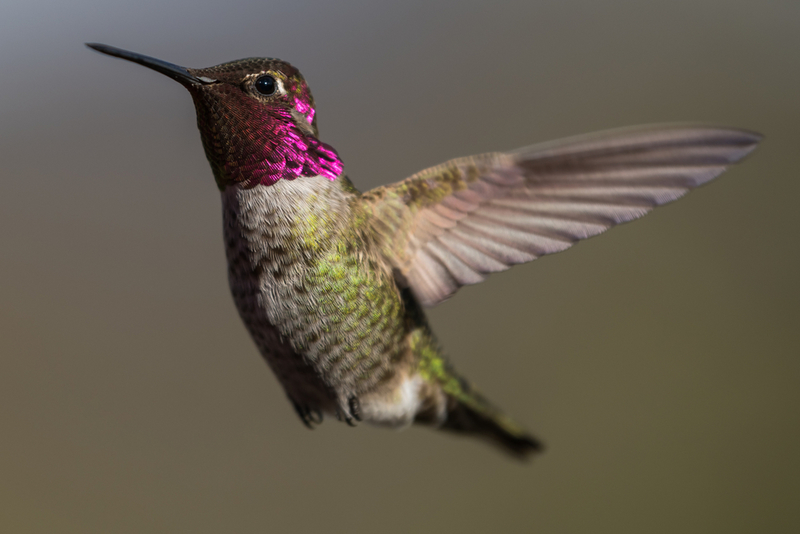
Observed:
{"x":659,"y":362}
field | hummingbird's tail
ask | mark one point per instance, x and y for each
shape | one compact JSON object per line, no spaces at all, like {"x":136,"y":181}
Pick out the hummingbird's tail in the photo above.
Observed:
{"x":453,"y":404}
{"x":474,"y":416}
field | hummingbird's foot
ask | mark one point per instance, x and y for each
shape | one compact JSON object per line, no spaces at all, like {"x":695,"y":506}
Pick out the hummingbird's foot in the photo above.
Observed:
{"x":355,"y":408}
{"x":308,"y":416}
{"x":342,"y":416}
{"x":352,"y":414}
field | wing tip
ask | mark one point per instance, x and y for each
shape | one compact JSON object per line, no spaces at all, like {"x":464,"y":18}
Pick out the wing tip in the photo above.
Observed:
{"x":651,"y":134}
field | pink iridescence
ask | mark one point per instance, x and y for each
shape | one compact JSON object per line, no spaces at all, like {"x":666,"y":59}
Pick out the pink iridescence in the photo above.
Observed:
{"x":296,"y":153}
{"x":301,"y":99}
{"x":306,"y":109}
{"x":285,"y":153}
{"x":256,"y":144}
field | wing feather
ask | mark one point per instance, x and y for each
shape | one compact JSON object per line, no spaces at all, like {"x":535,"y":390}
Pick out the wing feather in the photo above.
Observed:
{"x":452,"y":224}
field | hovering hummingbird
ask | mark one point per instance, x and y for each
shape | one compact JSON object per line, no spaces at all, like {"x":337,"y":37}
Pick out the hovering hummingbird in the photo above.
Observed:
{"x":332,"y":282}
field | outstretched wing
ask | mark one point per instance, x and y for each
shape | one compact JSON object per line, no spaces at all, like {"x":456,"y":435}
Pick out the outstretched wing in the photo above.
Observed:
{"x":452,"y":224}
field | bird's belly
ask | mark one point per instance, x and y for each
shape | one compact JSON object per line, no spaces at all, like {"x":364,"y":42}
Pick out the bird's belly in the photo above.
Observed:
{"x":297,"y":375}
{"x":328,"y":317}
{"x":328,"y":337}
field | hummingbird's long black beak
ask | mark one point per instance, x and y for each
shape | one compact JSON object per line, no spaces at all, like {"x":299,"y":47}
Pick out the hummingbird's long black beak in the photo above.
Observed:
{"x":176,"y":72}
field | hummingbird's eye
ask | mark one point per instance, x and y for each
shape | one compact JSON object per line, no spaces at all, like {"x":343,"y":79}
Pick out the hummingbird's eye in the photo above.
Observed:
{"x":266,"y":85}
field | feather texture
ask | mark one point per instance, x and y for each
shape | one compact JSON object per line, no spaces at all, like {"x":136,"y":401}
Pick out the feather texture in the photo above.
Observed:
{"x":452,"y":224}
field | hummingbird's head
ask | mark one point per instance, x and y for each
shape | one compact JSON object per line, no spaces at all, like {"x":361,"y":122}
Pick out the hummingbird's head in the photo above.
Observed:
{"x":256,"y":117}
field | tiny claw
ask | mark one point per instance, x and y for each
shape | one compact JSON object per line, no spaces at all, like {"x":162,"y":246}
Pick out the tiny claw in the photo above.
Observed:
{"x":342,"y":416}
{"x":305,"y":415}
{"x":355,"y":408}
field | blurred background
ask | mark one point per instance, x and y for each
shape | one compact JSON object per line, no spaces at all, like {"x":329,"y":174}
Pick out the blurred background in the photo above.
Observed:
{"x":659,"y":362}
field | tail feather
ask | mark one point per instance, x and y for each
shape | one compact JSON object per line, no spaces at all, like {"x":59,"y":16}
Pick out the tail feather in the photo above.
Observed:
{"x":488,"y":423}
{"x":451,"y":403}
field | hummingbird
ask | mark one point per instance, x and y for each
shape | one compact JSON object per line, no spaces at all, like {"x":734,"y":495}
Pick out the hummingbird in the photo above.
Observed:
{"x":332,"y":283}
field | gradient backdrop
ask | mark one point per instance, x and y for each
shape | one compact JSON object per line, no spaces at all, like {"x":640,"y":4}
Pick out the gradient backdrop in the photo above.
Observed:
{"x":660,"y":362}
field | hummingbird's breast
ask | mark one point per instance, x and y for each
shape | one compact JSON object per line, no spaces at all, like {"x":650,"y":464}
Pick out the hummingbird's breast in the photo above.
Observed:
{"x":324,"y":311}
